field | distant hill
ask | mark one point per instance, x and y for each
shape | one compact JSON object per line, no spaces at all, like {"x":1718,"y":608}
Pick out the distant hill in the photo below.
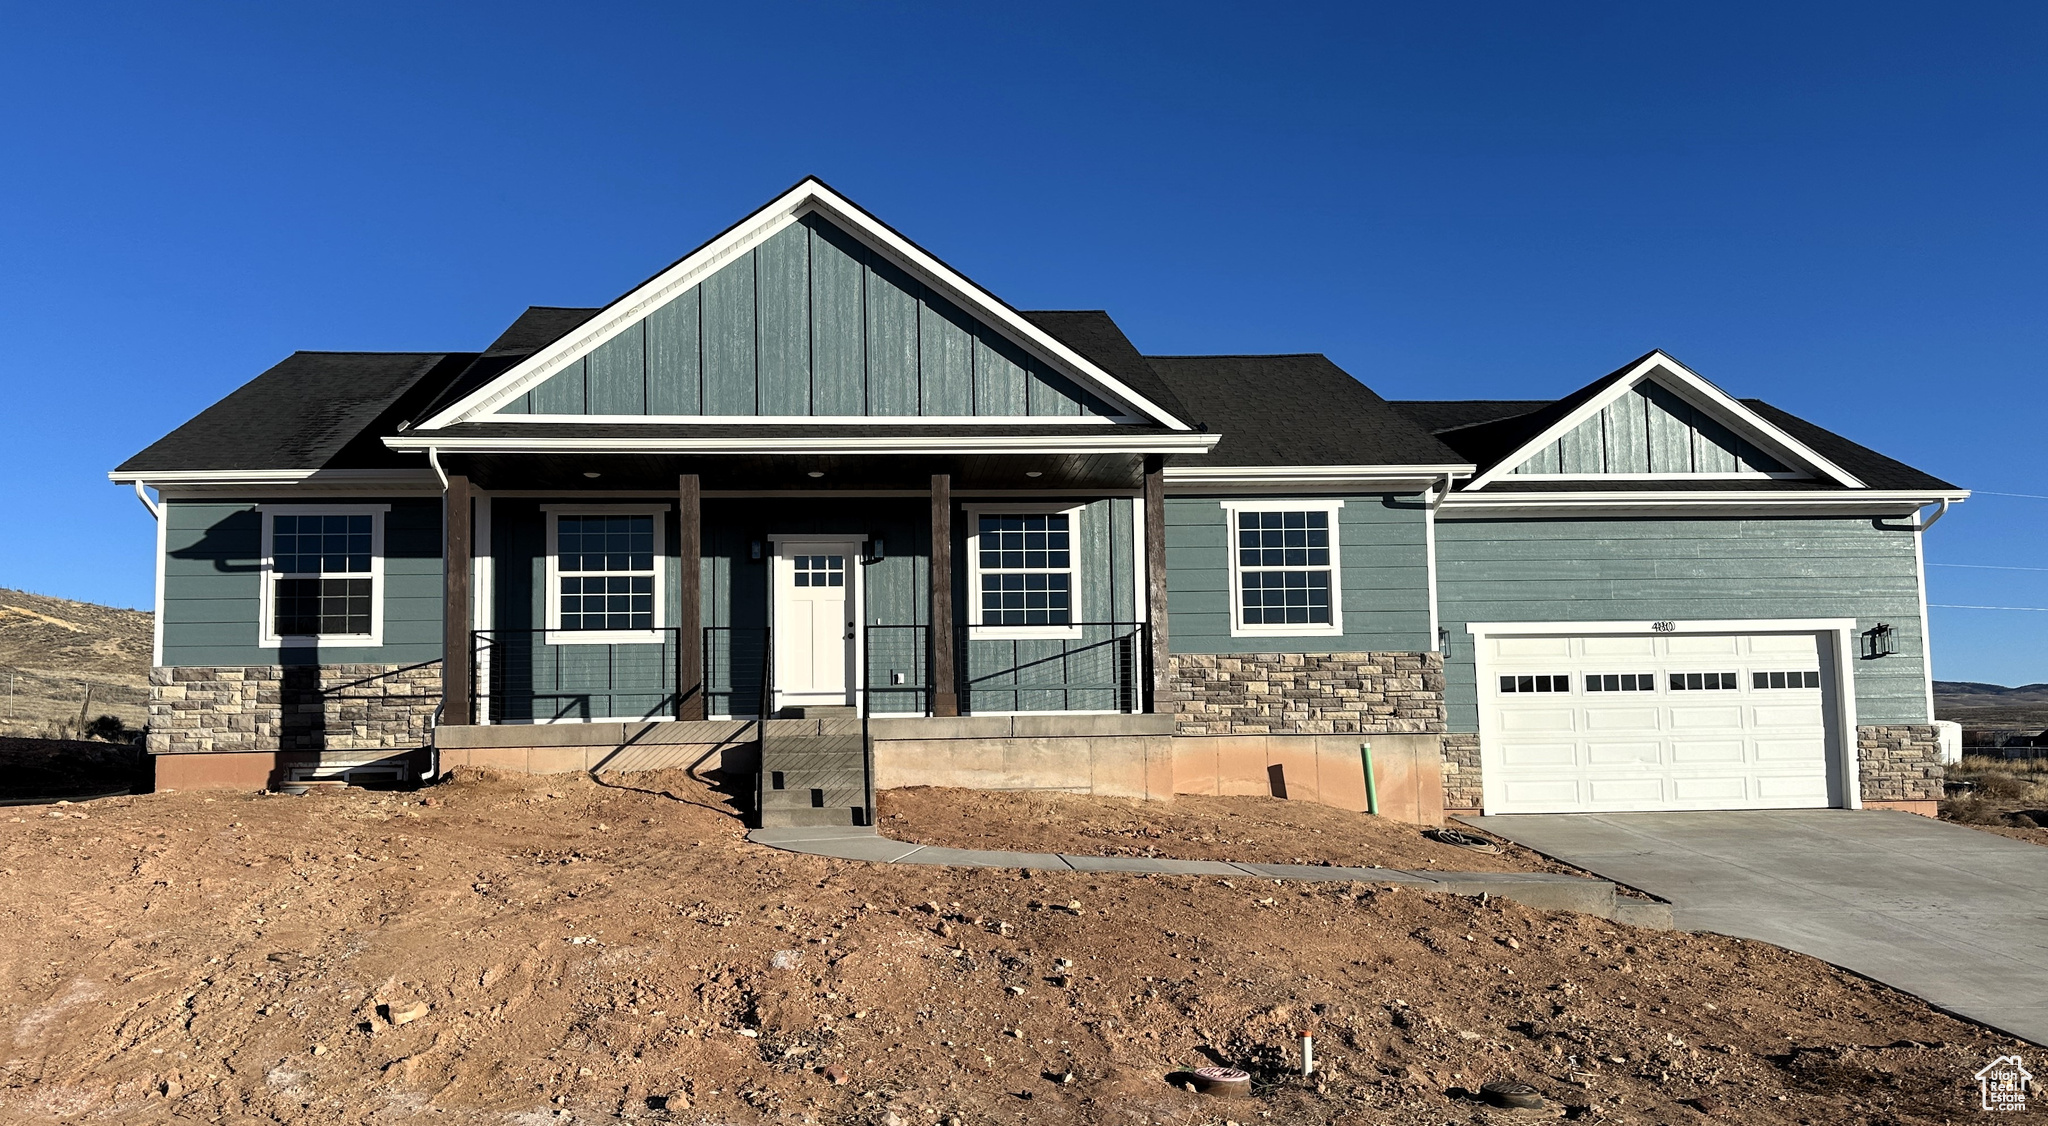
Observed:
{"x":52,"y":650}
{"x":1968,"y":702}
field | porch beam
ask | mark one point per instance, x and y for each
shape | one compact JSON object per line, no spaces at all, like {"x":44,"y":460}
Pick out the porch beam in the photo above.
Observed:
{"x":1160,"y":691}
{"x":690,"y":598}
{"x":457,"y":646}
{"x":945,"y":681}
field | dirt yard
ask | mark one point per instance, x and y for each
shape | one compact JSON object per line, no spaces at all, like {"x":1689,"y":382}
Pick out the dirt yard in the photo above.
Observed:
{"x":1190,"y":827}
{"x":2010,"y":797}
{"x":555,"y":951}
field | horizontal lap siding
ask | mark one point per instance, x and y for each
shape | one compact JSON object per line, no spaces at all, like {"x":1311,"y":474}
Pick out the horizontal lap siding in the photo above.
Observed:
{"x":212,"y":600}
{"x":1384,"y":575}
{"x":810,"y":322}
{"x":1677,"y":570}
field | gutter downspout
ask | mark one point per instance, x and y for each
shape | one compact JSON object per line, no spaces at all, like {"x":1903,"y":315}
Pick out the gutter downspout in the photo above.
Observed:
{"x":434,"y":749}
{"x":1431,"y":501}
{"x":156,"y":511}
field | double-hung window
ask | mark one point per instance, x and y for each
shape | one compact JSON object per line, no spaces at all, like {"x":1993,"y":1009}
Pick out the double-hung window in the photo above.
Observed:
{"x":323,"y":573}
{"x":1284,"y":570}
{"x":1022,"y":572}
{"x":604,"y":581}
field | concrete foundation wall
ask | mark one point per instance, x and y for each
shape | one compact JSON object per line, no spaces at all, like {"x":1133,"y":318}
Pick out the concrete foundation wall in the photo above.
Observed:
{"x":1124,"y":756}
{"x":1320,"y":768}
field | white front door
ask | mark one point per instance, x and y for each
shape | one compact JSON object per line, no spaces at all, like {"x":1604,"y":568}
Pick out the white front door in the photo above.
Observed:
{"x":1655,"y":722}
{"x":816,"y":606}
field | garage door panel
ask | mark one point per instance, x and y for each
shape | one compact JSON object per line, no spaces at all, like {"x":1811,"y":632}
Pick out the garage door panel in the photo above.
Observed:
{"x":1693,"y":752}
{"x":1710,"y":789}
{"x":1524,"y":647}
{"x":1724,"y":717}
{"x":1618,"y":646}
{"x":1545,"y":796}
{"x":1540,"y":754}
{"x":1612,"y":792}
{"x":1800,"y":716}
{"x":1624,"y":754}
{"x":1543,"y":720}
{"x":1789,"y":750}
{"x":1635,"y":743}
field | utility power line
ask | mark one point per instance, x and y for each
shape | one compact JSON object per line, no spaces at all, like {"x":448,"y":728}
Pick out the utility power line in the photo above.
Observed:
{"x":1961,"y":606}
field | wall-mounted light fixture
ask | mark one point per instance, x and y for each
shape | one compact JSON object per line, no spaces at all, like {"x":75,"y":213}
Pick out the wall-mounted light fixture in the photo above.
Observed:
{"x":872,"y":551}
{"x":754,"y":551}
{"x":1880,"y":640}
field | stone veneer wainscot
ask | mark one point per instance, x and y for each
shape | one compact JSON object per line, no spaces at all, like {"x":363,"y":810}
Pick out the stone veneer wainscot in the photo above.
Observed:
{"x":196,"y":710}
{"x":1900,"y":762}
{"x":1307,"y":693}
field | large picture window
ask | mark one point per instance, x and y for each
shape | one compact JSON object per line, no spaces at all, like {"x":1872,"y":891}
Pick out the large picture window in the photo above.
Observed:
{"x":1023,"y":577}
{"x":1284,"y":568}
{"x":605,"y":575}
{"x":323,"y":568}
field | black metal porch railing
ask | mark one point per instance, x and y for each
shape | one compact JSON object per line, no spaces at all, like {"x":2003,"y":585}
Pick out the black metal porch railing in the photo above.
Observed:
{"x":531,"y":675}
{"x":1103,"y":670}
{"x":739,"y":670}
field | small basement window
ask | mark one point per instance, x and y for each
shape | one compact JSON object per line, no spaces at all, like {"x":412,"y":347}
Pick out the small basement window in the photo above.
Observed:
{"x":323,"y":574}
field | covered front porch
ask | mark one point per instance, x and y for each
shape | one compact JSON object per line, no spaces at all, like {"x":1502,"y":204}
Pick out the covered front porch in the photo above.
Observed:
{"x":619,"y":588}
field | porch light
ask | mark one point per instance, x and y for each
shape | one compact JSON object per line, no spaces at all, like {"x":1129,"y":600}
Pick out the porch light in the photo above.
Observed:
{"x":874,"y":553}
{"x":815,"y":473}
{"x":754,"y":551}
{"x":1033,"y":473}
{"x":1879,"y":640}
{"x":592,"y":473}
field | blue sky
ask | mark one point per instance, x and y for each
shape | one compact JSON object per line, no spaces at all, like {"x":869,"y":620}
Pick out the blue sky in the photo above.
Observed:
{"x":1836,"y":208}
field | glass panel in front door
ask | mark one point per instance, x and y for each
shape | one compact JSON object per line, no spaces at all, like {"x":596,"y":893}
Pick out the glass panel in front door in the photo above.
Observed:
{"x":813,"y":624}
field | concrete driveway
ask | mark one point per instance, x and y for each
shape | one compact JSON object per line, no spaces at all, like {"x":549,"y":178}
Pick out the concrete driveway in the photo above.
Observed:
{"x":1954,"y":915}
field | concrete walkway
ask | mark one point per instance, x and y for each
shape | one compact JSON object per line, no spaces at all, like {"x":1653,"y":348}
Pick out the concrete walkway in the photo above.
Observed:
{"x":1543,"y":890}
{"x":1954,"y":915}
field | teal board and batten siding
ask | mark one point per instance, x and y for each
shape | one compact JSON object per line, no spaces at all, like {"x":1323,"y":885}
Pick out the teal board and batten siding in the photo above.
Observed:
{"x":809,"y":323}
{"x":1384,"y":573}
{"x":1676,"y":570}
{"x":213,"y":596}
{"x":1649,"y":430}
{"x":1096,"y":672}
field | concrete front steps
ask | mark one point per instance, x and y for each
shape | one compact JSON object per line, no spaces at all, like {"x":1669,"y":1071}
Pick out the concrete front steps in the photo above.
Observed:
{"x":814,"y":771}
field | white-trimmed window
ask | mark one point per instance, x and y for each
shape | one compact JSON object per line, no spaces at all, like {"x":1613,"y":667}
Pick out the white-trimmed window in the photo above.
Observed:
{"x":604,"y":574}
{"x":1284,"y":568}
{"x":1021,"y":578}
{"x":322,"y":574}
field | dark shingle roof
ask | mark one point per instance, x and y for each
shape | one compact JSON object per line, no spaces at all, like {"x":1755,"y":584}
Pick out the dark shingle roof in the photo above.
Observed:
{"x":1295,"y":410}
{"x":308,"y":412}
{"x":1092,"y":333}
{"x":1865,"y":464}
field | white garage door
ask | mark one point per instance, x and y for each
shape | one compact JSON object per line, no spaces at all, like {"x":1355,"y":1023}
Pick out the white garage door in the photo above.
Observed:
{"x":1655,"y":722}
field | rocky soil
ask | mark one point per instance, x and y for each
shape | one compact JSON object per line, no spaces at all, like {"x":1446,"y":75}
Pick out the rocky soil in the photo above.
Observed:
{"x":550,"y":950}
{"x":1259,"y":830}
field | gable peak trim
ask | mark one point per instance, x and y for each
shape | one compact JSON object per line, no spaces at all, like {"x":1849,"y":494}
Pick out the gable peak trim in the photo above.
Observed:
{"x":810,"y":196}
{"x":1661,"y":368}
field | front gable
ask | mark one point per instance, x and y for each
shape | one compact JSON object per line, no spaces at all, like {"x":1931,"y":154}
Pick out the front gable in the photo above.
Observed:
{"x":1659,"y":420}
{"x":808,"y":309}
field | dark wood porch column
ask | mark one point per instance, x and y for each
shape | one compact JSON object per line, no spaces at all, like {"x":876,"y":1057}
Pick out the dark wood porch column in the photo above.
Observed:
{"x":457,"y":650}
{"x":945,"y":681}
{"x":690,"y":598}
{"x":1155,"y":582}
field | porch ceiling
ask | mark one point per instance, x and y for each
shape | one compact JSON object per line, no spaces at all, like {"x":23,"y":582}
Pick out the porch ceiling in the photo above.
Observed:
{"x":569,"y":472}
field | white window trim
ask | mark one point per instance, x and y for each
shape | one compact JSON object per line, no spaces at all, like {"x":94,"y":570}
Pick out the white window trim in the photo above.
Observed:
{"x":978,"y":632}
{"x":556,"y":635}
{"x":266,"y":627}
{"x":1335,"y":627}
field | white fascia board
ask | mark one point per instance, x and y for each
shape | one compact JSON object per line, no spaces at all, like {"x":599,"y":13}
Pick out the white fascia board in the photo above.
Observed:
{"x":212,"y":476}
{"x":820,"y":419}
{"x":1153,"y":443}
{"x":1874,"y":502}
{"x":807,"y":197}
{"x":1191,"y":478}
{"x":1688,"y":385}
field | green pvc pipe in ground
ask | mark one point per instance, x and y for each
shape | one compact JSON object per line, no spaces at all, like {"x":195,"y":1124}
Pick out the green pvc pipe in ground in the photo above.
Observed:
{"x":1372,"y":786}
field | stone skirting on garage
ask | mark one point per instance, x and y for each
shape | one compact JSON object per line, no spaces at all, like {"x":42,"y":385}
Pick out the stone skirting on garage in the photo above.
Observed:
{"x":295,"y":708}
{"x":1307,"y":693}
{"x":1900,"y":765}
{"x":1461,"y":772}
